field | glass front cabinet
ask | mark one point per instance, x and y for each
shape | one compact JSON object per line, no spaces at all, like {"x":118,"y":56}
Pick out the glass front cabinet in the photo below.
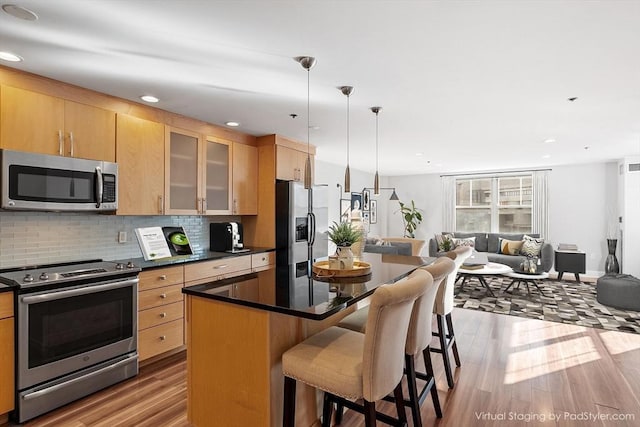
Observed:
{"x":198,"y":174}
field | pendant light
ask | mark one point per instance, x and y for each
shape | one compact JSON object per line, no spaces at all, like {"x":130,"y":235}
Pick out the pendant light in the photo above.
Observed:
{"x":376,"y":180}
{"x":307,"y":63}
{"x":347,"y":90}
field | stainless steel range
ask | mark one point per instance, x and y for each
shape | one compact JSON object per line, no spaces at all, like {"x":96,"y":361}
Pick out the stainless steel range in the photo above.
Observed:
{"x":76,"y":331}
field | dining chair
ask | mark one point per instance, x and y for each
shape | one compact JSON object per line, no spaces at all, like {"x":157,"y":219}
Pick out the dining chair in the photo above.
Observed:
{"x":349,"y":366}
{"x":443,"y":308}
{"x":418,"y":340}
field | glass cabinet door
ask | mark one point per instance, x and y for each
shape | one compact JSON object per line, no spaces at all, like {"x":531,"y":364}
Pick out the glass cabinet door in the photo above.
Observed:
{"x":182,"y":189}
{"x":217,"y":176}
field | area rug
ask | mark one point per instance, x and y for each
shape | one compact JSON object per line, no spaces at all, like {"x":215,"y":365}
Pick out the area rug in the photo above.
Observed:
{"x":561,"y":301}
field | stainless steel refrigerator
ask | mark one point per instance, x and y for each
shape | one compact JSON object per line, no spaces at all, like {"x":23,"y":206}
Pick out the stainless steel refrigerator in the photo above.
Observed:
{"x":302,"y":225}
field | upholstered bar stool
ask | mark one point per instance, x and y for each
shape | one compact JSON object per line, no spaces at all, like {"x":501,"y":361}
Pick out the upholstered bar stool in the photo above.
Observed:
{"x":443,"y":308}
{"x":349,"y":366}
{"x":418,"y":339}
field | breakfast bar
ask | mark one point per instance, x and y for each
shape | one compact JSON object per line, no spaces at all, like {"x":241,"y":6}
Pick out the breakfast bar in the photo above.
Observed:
{"x":238,"y":329}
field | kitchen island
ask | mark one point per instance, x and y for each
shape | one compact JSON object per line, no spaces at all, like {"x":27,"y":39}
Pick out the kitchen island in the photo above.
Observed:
{"x":237,"y":332}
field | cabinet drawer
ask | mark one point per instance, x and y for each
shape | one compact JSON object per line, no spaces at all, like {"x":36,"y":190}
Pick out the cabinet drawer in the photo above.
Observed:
{"x":157,"y":340}
{"x":159,"y":315}
{"x":161,"y":277}
{"x":6,"y":305}
{"x":218,"y":269}
{"x":159,"y":296}
{"x":263,"y":261}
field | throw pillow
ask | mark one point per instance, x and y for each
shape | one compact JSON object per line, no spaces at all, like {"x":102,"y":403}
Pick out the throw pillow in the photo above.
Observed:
{"x":443,"y":241}
{"x":531,"y":246}
{"x":510,"y":247}
{"x":469,"y":241}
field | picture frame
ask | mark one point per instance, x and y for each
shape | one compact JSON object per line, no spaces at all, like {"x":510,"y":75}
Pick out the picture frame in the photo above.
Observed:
{"x":356,"y":201}
{"x":366,"y":200}
{"x":373,"y":212}
{"x":365,"y":217}
{"x":345,"y":210}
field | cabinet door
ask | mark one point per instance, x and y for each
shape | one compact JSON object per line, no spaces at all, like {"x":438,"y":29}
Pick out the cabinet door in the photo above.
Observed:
{"x":140,"y":157}
{"x":301,"y":161}
{"x":245,"y":180}
{"x":31,"y":121}
{"x":90,"y":132}
{"x":287,"y":164}
{"x":6,"y":365}
{"x":182,"y":180}
{"x":217,"y":176}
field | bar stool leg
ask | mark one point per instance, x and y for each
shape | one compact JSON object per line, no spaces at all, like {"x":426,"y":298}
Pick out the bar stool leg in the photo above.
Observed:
{"x":444,"y":349}
{"x":289,"y":404}
{"x":409,"y":363}
{"x":452,"y":339}
{"x":428,"y":367}
{"x":399,"y":398}
{"x":369,"y":414}
{"x":327,"y":407}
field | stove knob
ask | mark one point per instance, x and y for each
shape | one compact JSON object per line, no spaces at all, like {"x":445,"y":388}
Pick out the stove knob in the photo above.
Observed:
{"x":119,"y":266}
{"x":131,"y":265}
{"x":44,"y":276}
{"x":27,"y":278}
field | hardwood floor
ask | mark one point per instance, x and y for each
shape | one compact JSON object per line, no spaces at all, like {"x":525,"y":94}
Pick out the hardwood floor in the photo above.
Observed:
{"x":513,"y":370}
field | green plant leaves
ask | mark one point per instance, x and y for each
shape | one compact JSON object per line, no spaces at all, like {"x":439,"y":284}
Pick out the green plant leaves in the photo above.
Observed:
{"x":343,"y":234}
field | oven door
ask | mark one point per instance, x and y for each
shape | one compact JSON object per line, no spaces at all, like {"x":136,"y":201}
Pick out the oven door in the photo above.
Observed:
{"x":64,"y":330}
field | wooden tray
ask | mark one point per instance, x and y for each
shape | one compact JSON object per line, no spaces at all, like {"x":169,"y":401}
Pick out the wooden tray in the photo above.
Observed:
{"x":360,"y":268}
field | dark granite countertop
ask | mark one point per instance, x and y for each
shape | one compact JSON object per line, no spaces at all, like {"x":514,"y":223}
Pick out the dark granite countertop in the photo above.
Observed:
{"x":299,"y":295}
{"x":204,"y":256}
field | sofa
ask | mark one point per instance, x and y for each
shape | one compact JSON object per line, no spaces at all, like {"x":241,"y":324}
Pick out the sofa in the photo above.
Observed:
{"x":489,"y":243}
{"x":394,"y":245}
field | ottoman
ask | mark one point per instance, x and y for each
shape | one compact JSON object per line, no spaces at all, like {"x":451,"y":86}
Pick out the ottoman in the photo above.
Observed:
{"x":619,"y":291}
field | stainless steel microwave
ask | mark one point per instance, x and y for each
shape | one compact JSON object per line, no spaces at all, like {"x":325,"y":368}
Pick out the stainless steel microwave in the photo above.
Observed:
{"x":42,"y":182}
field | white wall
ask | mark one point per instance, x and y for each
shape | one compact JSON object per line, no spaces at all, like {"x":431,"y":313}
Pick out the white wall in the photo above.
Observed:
{"x":580,"y":198}
{"x":629,"y":210}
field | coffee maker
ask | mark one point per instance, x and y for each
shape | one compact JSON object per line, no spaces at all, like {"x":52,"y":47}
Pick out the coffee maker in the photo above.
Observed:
{"x":226,"y":237}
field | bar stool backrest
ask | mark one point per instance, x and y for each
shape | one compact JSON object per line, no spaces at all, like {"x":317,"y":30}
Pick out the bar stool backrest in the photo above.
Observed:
{"x":444,"y":299}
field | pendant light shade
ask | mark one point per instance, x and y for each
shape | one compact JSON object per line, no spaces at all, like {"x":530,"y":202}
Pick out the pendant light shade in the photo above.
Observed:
{"x":347,"y":90}
{"x":394,"y":196}
{"x":307,"y":63}
{"x":376,"y":180}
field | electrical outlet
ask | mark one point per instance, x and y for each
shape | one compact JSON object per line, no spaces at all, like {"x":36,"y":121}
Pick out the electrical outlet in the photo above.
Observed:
{"x":122,"y":237}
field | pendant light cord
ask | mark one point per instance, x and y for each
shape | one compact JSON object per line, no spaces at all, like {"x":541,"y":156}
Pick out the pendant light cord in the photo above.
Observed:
{"x":376,"y":142}
{"x":347,"y":130}
{"x":308,"y":119}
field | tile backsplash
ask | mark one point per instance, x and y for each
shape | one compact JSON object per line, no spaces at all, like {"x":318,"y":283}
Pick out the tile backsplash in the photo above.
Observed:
{"x":28,"y":238}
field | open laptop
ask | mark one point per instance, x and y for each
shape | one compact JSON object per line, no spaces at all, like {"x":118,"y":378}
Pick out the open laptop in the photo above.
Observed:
{"x":476,"y":258}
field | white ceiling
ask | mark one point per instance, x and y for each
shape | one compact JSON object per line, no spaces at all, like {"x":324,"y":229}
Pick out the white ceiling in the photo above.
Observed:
{"x":473,"y":85}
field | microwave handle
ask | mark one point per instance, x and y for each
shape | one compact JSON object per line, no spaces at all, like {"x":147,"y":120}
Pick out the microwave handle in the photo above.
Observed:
{"x":99,"y":186}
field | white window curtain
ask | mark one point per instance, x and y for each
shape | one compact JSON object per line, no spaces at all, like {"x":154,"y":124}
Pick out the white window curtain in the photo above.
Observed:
{"x":448,"y":203}
{"x":540,"y":203}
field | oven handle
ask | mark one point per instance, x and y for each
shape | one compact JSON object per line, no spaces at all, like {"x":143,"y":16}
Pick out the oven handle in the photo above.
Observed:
{"x":79,"y":291}
{"x":56,"y":387}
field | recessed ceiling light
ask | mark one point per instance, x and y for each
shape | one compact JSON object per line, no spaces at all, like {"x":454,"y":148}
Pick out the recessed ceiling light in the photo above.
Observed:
{"x":232,"y":124}
{"x":19,"y":12}
{"x":549,"y":141}
{"x":546,"y":156}
{"x":149,"y":98}
{"x":11,"y":57}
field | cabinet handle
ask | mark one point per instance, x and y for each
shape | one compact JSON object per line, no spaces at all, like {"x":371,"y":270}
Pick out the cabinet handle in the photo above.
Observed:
{"x":163,"y":296}
{"x":160,"y":205}
{"x":217,"y":267}
{"x":235,"y":206}
{"x":60,"y":143}
{"x":163,"y":277}
{"x":163,"y":337}
{"x":71,"y":144}
{"x":163,"y":315}
{"x":204,"y":206}
{"x":264,"y":259}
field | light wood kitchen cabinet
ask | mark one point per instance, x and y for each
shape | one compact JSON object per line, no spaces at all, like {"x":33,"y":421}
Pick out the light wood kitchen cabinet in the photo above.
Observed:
{"x":197,"y":174}
{"x":34,"y":122}
{"x":6,"y":353}
{"x":245,"y":179}
{"x":290,"y":163}
{"x":160,"y":311}
{"x":207,"y":271}
{"x":263,"y":261}
{"x":140,"y":158}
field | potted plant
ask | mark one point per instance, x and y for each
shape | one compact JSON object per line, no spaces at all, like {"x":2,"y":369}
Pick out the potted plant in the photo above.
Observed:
{"x":411,"y":218}
{"x":343,"y":235}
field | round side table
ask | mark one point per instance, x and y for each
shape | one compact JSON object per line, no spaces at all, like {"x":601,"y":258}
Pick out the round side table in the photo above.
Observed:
{"x":526,"y":278}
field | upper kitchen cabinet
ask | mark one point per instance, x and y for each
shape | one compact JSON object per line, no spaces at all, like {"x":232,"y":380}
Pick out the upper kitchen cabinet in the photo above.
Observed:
{"x":217,"y":176}
{"x":197,"y":174}
{"x":31,"y":121}
{"x":290,"y":163}
{"x":140,"y":158}
{"x":245,"y":179}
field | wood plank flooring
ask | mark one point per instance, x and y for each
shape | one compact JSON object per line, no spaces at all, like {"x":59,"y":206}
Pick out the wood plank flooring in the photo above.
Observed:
{"x":515,"y":372}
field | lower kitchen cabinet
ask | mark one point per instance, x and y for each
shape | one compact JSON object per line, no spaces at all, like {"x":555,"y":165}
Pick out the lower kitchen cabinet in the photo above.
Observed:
{"x":160,"y":311}
{"x":6,"y":354}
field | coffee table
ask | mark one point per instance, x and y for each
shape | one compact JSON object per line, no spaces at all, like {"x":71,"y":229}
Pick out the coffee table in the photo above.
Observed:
{"x":490,"y":269}
{"x":526,"y":278}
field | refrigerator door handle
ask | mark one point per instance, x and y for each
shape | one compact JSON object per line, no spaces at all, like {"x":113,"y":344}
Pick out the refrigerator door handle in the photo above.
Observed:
{"x":312,"y":228}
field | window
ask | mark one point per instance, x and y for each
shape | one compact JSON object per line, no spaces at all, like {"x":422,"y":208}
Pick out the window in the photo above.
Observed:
{"x":494,"y":204}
